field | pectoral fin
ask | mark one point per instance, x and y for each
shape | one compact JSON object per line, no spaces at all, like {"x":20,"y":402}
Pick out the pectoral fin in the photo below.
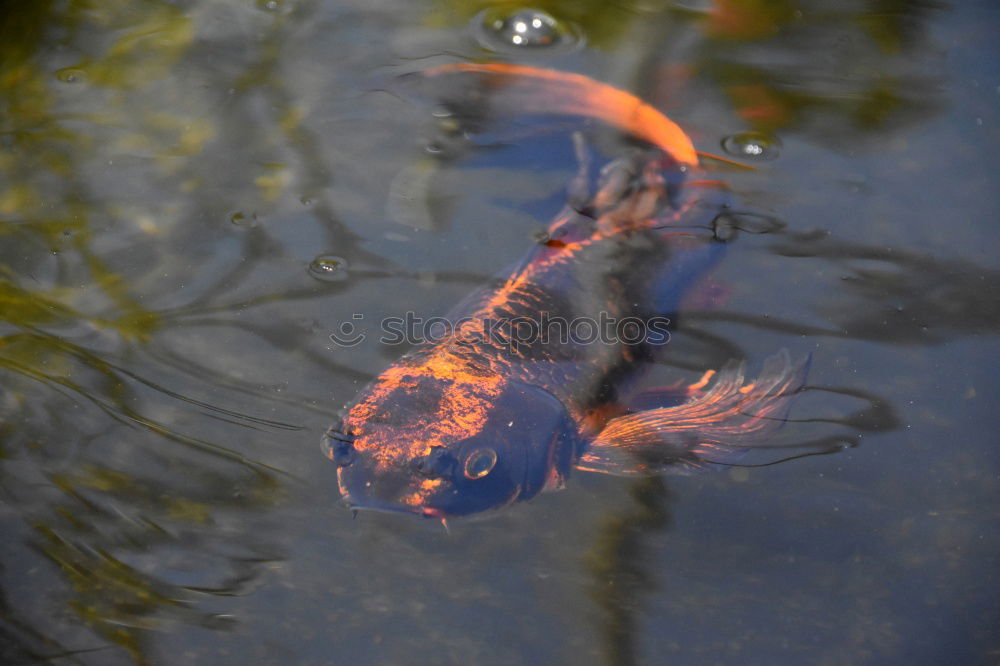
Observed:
{"x":724,"y":418}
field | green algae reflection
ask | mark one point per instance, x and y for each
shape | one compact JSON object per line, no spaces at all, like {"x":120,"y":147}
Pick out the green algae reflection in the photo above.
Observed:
{"x":108,"y":484}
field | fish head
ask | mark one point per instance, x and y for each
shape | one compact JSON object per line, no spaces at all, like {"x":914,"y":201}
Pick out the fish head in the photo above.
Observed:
{"x":442,"y":449}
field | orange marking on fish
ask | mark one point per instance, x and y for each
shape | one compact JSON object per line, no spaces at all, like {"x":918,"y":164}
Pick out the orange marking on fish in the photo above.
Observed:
{"x":469,"y":393}
{"x":517,"y":283}
{"x":464,"y":408}
{"x":701,"y":383}
{"x":577,"y":95}
{"x":419,"y":496}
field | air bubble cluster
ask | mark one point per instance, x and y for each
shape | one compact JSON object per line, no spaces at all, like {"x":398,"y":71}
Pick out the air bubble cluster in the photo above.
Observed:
{"x":503,"y":30}
{"x":752,"y":146}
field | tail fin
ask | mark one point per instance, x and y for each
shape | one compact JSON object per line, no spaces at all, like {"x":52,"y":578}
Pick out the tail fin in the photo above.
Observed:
{"x":714,"y":427}
{"x":518,"y":89}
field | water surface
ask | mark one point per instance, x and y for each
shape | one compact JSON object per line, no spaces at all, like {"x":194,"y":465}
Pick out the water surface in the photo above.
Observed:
{"x":194,"y":195}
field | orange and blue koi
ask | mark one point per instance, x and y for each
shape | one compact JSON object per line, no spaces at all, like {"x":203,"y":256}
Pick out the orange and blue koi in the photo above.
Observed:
{"x":482,"y":420}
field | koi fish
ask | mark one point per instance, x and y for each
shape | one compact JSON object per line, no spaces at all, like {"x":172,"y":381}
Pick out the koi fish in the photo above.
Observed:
{"x":488,"y":417}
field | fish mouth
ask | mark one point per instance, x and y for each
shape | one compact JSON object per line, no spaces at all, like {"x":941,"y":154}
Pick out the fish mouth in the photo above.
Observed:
{"x":382,"y":506}
{"x":364,"y":501}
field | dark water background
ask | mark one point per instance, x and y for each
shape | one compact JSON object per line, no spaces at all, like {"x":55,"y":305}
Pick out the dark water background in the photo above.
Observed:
{"x":169,"y":172}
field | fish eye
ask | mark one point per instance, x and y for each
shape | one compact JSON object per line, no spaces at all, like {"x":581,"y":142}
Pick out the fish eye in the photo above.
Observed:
{"x":479,"y":463}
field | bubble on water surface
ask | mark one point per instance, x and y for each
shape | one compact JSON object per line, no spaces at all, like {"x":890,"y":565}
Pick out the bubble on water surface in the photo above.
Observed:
{"x":328,"y":268}
{"x":501,"y":29}
{"x":752,"y":145}
{"x":269,"y":5}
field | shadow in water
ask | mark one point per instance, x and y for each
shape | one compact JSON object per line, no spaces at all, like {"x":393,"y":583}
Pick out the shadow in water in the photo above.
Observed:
{"x":886,"y":295}
{"x":900,"y":296}
{"x":618,"y":563}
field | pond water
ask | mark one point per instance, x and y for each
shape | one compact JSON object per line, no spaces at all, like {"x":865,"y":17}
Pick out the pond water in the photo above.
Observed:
{"x":195,"y":195}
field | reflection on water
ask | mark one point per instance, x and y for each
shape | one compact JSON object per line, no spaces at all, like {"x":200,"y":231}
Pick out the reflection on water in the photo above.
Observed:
{"x":192,"y":197}
{"x":905,"y":297}
{"x":817,"y":66}
{"x":888,"y":295}
{"x":145,"y":510}
{"x":621,"y":570}
{"x":826,"y":68}
{"x":140,"y":519}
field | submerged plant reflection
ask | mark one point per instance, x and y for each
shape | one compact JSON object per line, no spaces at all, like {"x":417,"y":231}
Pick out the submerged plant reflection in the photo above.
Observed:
{"x":109,"y":437}
{"x":620,"y":565}
{"x":136,"y":554}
